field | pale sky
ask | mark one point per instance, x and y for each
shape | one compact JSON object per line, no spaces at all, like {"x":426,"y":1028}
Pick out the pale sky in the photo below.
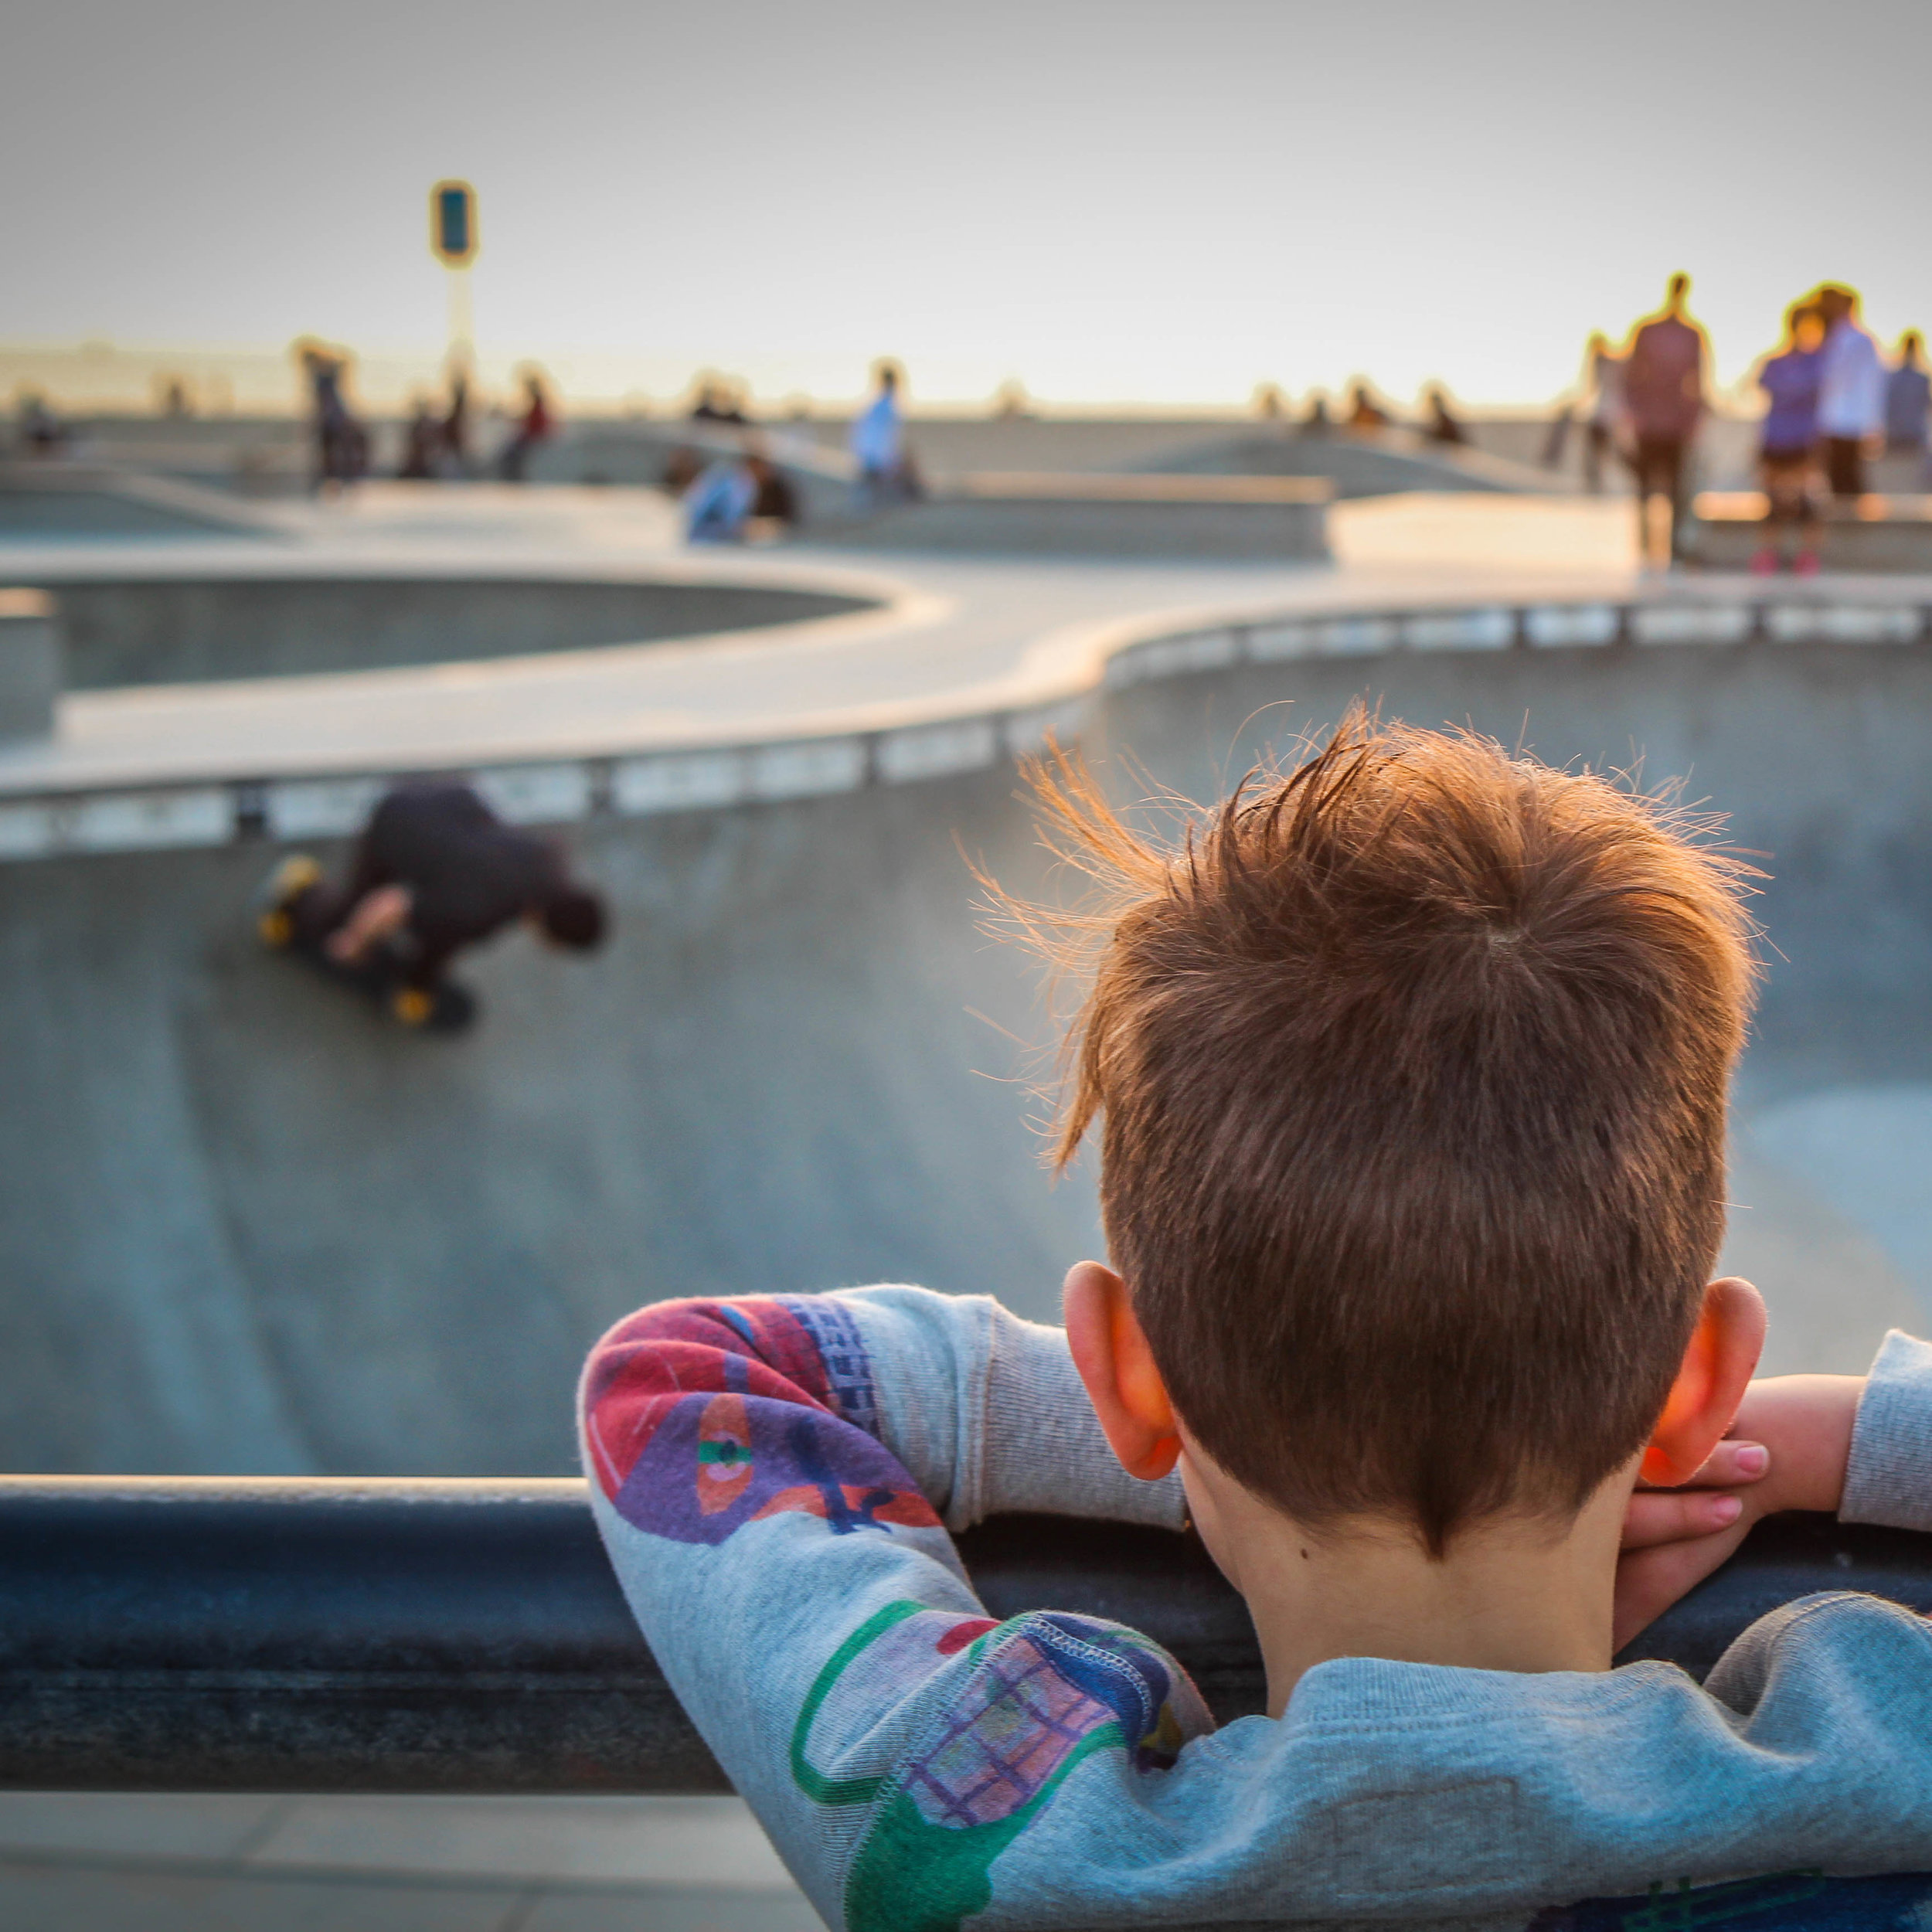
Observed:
{"x":1110,"y":202}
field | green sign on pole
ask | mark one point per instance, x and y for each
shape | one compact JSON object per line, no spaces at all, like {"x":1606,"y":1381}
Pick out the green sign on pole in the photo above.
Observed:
{"x":452,"y":223}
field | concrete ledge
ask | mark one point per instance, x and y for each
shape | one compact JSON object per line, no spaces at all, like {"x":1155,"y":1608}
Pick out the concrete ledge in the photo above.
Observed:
{"x":1871,"y":533}
{"x":29,"y":663}
{"x":1077,"y":515}
{"x":41,"y":816}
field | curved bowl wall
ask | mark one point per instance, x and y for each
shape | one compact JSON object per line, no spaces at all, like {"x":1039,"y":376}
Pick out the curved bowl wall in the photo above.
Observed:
{"x":179,"y":631}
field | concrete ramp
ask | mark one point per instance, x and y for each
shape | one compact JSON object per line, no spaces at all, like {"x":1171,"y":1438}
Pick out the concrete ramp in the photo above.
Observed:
{"x":1379,"y":463}
{"x":250,"y":1226}
{"x":61,"y":500}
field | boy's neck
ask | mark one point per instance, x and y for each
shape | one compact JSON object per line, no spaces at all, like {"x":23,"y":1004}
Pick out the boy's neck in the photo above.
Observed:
{"x":1515,"y":1593}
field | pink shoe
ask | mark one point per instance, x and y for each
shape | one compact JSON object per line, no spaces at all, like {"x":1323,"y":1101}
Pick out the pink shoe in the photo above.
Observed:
{"x":1807,"y":564}
{"x":1765,"y":564}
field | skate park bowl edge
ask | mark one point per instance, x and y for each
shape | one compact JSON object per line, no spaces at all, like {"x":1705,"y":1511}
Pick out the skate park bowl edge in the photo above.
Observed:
{"x":252,"y":1229}
{"x":182,"y":629}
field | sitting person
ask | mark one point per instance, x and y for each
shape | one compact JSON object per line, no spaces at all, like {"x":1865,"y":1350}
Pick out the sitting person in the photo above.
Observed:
{"x":435,"y":871}
{"x":1412,"y":1070}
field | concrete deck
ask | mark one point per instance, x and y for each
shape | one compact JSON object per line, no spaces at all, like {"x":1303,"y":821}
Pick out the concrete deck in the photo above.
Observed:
{"x":81,"y":1863}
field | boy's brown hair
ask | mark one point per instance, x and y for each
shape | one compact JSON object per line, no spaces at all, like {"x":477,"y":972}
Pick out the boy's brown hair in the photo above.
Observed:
{"x":1413,"y":1067}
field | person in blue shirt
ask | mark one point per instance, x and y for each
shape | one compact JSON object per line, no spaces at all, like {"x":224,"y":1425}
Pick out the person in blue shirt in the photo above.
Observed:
{"x":1789,"y":379}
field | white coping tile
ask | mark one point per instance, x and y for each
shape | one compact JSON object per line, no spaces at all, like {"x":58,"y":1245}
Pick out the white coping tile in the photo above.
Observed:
{"x":1171,"y":656}
{"x":320,"y":808}
{"x":1842,"y":623}
{"x":1691,"y":623}
{"x":1350,"y":636}
{"x":807,"y":769}
{"x":930,"y":751}
{"x":1269,"y":641}
{"x":117,"y":822}
{"x":1028,"y":730}
{"x":677,"y":781}
{"x":144,"y":821}
{"x":1192,"y":650}
{"x":1491,"y":629}
{"x":537,"y":794}
{"x":1555,"y":625}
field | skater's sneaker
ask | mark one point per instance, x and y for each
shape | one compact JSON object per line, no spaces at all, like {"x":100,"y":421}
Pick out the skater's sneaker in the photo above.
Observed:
{"x":296,"y":874}
{"x":1764,"y":564}
{"x":1807,"y":563}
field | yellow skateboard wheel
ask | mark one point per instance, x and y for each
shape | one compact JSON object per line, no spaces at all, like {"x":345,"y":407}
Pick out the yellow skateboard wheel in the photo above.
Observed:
{"x":413,"y":1006}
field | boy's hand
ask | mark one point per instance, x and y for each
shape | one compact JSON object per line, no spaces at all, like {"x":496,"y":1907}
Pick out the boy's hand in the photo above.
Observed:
{"x":1787,"y":1449}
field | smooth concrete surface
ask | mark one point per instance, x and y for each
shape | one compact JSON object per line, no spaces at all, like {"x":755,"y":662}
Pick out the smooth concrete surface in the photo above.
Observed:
{"x":30,"y":664}
{"x":80,"y":1863}
{"x":252,"y":1226}
{"x":174,"y":630}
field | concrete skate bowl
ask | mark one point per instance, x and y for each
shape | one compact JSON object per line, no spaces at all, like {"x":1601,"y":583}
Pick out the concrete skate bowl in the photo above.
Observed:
{"x":174,"y":630}
{"x":251,"y":1227}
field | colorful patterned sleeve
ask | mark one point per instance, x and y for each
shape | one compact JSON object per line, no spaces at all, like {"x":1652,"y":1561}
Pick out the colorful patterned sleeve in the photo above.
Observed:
{"x":804,"y":1599}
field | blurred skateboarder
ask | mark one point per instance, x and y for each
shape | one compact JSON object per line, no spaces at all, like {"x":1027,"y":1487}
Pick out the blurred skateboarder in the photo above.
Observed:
{"x":435,"y":870}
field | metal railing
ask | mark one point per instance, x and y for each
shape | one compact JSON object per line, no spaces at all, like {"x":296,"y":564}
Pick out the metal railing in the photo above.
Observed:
{"x":212,"y":1635}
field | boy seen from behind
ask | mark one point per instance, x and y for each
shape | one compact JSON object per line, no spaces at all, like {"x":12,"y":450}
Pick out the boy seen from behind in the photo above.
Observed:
{"x":1411,"y":1071}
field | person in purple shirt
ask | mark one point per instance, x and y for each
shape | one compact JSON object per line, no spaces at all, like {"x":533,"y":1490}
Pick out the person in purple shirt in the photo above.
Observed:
{"x":1789,"y":378}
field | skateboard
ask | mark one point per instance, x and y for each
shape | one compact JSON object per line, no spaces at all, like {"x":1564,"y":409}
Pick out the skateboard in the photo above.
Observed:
{"x":380,"y":977}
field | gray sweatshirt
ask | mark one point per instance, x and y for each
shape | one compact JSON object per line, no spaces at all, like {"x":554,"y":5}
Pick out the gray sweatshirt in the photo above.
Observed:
{"x":775,"y":1479}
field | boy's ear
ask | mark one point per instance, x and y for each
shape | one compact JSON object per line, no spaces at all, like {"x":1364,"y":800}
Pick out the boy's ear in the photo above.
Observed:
{"x":1117,"y":1367}
{"x":1719,"y":1363}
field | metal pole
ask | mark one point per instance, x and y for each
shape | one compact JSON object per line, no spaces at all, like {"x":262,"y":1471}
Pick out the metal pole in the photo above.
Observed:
{"x":265,"y":1635}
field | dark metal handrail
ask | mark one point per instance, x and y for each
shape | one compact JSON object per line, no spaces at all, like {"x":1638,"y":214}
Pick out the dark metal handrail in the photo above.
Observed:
{"x":218,"y":1635}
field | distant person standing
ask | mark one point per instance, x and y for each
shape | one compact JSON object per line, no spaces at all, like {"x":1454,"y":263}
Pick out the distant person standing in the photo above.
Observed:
{"x":1789,"y":378}
{"x":435,"y":871}
{"x":1443,"y":425}
{"x":1664,"y":402}
{"x":1603,"y":426}
{"x":1908,"y":399}
{"x":1365,"y":412}
{"x":878,"y":442}
{"x":341,"y":445}
{"x":455,"y":460}
{"x":41,"y":432}
{"x":421,"y":441}
{"x":1851,"y":391}
{"x":534,"y":427}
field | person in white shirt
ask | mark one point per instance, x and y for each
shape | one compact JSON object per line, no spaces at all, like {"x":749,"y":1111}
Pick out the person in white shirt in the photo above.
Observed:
{"x":1851,"y":392}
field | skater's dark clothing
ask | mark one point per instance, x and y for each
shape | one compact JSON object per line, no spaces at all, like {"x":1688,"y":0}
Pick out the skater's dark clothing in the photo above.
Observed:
{"x":468,"y":874}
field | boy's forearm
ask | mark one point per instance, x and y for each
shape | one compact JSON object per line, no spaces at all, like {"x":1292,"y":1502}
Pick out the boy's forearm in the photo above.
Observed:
{"x":1888,"y":1477}
{"x":987,"y":1412}
{"x":1807,"y":1422}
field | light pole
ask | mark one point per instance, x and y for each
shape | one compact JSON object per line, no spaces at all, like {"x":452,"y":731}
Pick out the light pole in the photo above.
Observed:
{"x":453,"y":241}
